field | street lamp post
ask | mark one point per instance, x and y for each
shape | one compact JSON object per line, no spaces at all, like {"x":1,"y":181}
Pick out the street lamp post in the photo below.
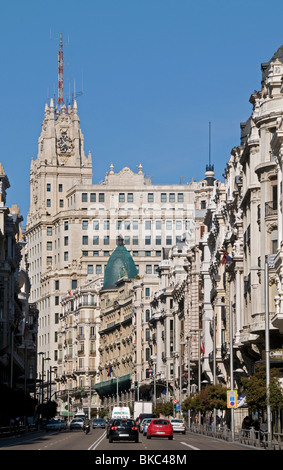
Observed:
{"x":231,"y":369}
{"x":267,"y":353}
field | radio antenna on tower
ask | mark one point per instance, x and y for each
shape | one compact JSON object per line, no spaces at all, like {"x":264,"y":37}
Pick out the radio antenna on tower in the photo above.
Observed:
{"x":60,"y":101}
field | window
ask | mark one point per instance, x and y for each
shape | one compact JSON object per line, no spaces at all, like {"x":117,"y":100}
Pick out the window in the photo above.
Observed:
{"x":106,"y":224}
{"x":158,"y":224}
{"x":92,"y":197}
{"x":85,"y":240}
{"x":101,"y":197}
{"x":148,"y":269}
{"x":49,"y":230}
{"x":106,"y":240}
{"x":168,"y":224}
{"x":61,"y":203}
{"x":85,"y":224}
{"x":106,"y":253}
{"x":66,"y":225}
{"x":49,"y":246}
{"x":127,"y":225}
{"x":84,"y":197}
{"x":147,"y":334}
{"x":135,"y":240}
{"x":119,"y":224}
{"x":48,"y":187}
{"x":48,"y":203}
{"x":90,"y":268}
{"x":66,"y":256}
{"x":96,"y":225}
{"x":147,"y":315}
{"x":148,"y":240}
{"x":156,"y":266}
{"x":158,"y":240}
{"x":178,"y":239}
{"x":57,"y":300}
{"x":127,"y":240}
{"x":148,"y":224}
{"x":135,"y":224}
{"x":171,"y":197}
{"x":74,"y":283}
{"x":66,"y":241}
{"x":178,"y":225}
{"x":95,"y":253}
{"x":57,"y":285}
{"x":96,"y":240}
{"x":203,"y":204}
{"x":163,"y":197}
{"x":98,"y":269}
{"x":180,"y":197}
{"x":130,"y":197}
{"x":168,"y":240}
{"x":85,"y":253}
{"x":150,"y":197}
{"x":122,"y":197}
{"x":147,"y":292}
{"x":56,"y":318}
{"x":49,"y":260}
{"x":60,"y":188}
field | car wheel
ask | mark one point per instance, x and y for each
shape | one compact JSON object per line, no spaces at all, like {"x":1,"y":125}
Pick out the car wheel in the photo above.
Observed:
{"x":184,"y":432}
{"x":110,"y":440}
{"x":137,"y":439}
{"x":170,"y":438}
{"x":148,"y":437}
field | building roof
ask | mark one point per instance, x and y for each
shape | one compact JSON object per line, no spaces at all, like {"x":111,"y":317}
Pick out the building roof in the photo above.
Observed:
{"x":120,"y":264}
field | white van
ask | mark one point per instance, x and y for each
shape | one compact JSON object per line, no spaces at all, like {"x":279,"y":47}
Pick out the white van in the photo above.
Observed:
{"x":121,"y":412}
{"x":81,"y":415}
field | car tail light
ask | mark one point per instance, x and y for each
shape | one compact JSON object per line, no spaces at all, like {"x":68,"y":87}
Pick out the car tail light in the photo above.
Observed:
{"x":134,"y":428}
{"x":113,"y":428}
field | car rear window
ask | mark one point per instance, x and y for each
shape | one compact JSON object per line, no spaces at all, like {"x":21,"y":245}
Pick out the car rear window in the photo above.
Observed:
{"x":160,"y":421}
{"x":123,"y":422}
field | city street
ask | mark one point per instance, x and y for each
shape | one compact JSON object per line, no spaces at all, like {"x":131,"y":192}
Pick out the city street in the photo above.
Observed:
{"x":96,"y":441}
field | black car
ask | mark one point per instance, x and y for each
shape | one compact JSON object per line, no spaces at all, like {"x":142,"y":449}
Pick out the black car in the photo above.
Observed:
{"x":98,"y":423}
{"x":123,"y":430}
{"x":108,"y":426}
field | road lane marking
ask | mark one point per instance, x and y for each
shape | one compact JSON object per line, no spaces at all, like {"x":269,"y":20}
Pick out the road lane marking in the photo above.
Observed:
{"x":97,"y":442}
{"x":188,"y":445}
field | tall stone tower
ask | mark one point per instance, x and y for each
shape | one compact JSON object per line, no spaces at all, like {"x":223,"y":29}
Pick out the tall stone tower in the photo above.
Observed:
{"x":61,"y":163}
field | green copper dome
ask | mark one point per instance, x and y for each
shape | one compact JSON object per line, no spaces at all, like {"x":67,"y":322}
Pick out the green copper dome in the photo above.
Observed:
{"x":120,"y":264}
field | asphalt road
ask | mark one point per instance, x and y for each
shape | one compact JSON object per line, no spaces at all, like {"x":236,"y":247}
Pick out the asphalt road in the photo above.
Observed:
{"x":96,"y":441}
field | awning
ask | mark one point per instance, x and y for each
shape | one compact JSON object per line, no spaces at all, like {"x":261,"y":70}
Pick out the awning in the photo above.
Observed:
{"x":109,"y":387}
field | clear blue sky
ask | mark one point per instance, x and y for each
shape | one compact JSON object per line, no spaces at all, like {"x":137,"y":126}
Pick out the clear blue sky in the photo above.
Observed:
{"x":155,"y":73}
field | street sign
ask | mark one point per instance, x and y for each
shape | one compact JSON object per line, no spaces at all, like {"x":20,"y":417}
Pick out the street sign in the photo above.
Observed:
{"x":175,"y":401}
{"x":232,"y":399}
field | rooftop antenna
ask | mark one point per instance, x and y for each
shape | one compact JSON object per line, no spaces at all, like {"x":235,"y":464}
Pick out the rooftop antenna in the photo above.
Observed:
{"x":60,"y":102}
{"x":209,"y":174}
{"x":209,"y":167}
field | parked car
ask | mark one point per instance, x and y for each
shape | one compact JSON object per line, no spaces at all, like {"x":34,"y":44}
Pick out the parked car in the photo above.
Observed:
{"x":178,"y":425}
{"x":76,"y":423}
{"x":54,"y":424}
{"x":123,"y":429}
{"x":160,"y":428}
{"x":98,"y":423}
{"x":145,"y":425}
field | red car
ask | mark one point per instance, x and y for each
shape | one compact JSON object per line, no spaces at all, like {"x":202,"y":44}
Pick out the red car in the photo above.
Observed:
{"x":160,"y":428}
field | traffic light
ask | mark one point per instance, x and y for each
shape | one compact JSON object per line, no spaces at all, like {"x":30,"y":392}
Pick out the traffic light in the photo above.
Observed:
{"x":136,"y":384}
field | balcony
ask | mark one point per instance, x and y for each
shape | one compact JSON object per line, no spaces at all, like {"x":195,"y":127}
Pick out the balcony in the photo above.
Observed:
{"x":270,"y":208}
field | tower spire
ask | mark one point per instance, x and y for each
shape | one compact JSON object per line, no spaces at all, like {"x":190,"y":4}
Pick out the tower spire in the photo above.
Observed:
{"x":60,"y":102}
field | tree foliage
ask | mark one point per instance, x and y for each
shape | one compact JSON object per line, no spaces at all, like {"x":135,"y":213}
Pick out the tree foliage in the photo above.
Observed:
{"x":255,"y":387}
{"x":210,"y":397}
